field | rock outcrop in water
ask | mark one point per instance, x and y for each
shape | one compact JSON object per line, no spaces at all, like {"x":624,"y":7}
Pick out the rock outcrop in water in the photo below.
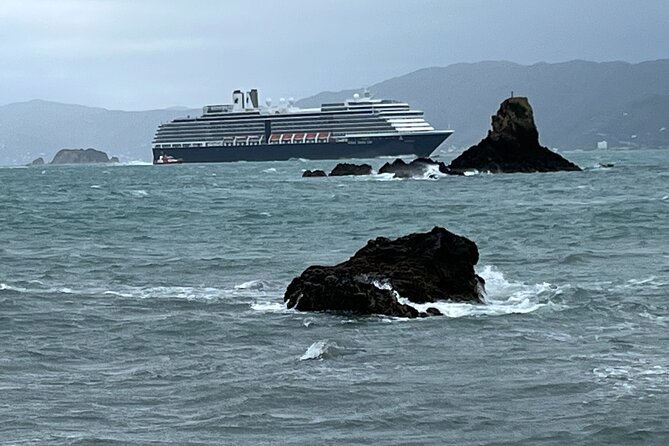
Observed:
{"x":512,"y":145}
{"x":37,"y":162}
{"x":314,"y":173}
{"x":422,"y":267}
{"x":416,"y":168}
{"x":342,"y":169}
{"x":81,"y":156}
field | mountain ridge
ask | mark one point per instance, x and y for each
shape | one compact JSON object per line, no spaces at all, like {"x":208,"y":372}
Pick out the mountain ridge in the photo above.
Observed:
{"x":576,"y":103}
{"x":573,"y":100}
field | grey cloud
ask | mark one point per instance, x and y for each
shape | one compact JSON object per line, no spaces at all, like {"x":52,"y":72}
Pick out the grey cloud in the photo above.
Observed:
{"x":145,"y":54}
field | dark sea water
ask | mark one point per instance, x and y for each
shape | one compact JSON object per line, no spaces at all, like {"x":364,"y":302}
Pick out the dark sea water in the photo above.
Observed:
{"x":143,"y":305}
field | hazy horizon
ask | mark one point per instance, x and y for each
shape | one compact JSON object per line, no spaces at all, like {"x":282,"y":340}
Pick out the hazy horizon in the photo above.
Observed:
{"x":125,"y":55}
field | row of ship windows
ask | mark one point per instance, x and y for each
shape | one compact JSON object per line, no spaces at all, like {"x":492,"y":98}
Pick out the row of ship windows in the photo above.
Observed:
{"x":352,"y":119}
{"x":246,"y":141}
{"x":259,"y":126}
{"x":210,"y":132}
{"x":322,"y":110}
{"x":211,"y":139}
{"x":277,"y":128}
{"x":299,"y":117}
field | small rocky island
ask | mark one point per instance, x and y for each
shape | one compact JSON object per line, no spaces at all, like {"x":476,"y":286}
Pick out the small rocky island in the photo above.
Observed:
{"x":512,"y":145}
{"x":422,"y":267}
{"x":344,"y":169}
{"x":81,"y":156}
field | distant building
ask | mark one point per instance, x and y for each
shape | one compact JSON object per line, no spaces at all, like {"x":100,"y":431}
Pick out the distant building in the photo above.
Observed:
{"x":602,"y":145}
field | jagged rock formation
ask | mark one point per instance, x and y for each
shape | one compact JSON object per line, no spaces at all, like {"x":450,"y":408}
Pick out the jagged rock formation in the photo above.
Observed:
{"x":415,"y":168}
{"x":314,"y":173}
{"x":342,"y":169}
{"x":512,"y":145}
{"x":422,"y":267}
{"x":80,"y":156}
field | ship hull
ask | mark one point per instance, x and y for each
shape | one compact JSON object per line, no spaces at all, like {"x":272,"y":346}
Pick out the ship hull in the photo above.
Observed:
{"x":421,"y":145}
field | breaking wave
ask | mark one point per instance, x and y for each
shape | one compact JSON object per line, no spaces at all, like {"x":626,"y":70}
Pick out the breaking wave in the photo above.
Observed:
{"x":320,"y":350}
{"x":502,"y":297}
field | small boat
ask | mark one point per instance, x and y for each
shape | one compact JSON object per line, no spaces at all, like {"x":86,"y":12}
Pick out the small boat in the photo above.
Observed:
{"x":167,"y":159}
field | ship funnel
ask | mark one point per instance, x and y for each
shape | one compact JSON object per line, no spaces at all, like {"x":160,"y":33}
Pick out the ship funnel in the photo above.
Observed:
{"x":253,"y":94}
{"x":237,"y":100}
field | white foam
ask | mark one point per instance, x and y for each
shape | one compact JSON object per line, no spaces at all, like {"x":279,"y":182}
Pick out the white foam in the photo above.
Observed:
{"x":257,"y":284}
{"x":469,"y":173}
{"x":269,"y":307}
{"x":4,"y":286}
{"x":137,"y":163}
{"x":432,"y":173}
{"x":161,"y":292}
{"x":383,"y":177}
{"x":640,"y":377}
{"x":654,"y":318}
{"x":117,"y":293}
{"x":316,"y":350}
{"x":646,"y":283}
{"x":140,"y":193}
{"x":188,"y":293}
{"x":270,"y":170}
{"x":502,"y":297}
{"x":648,"y":280}
{"x":147,"y":292}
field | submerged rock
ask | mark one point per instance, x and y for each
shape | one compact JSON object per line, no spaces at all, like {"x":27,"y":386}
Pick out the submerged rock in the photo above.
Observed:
{"x":80,"y":156}
{"x":422,"y":267}
{"x":314,"y":173}
{"x":512,"y":145}
{"x":342,"y":169}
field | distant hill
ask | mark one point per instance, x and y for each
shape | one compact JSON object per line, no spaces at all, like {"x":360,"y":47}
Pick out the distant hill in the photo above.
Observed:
{"x":39,"y":128}
{"x":575,"y":103}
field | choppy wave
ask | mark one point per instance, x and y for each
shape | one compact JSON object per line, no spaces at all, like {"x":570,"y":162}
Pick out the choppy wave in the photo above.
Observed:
{"x":257,"y":284}
{"x":640,"y":377}
{"x":129,"y":292}
{"x":260,"y":295}
{"x":320,"y":350}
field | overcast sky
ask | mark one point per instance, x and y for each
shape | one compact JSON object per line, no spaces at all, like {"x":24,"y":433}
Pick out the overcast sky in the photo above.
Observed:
{"x":141,"y":54}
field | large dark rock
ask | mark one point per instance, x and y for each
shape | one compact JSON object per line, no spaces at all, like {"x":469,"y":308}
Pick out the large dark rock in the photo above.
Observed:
{"x":342,"y":169}
{"x":416,"y":168}
{"x":313,"y":173}
{"x":80,"y":156}
{"x":512,"y":145}
{"x":423,"y":267}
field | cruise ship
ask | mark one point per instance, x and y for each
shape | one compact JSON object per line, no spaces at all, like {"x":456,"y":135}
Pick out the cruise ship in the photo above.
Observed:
{"x":361,"y":127}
